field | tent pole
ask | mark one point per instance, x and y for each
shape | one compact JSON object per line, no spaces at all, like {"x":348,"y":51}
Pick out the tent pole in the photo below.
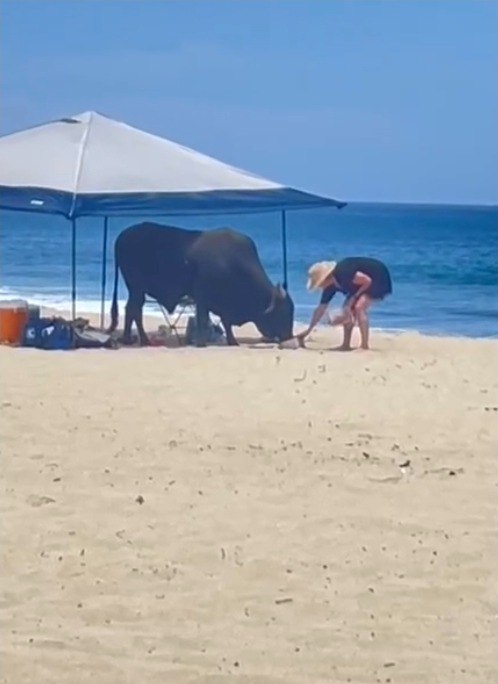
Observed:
{"x":104,"y":271}
{"x":284,"y":249}
{"x":73,"y":267}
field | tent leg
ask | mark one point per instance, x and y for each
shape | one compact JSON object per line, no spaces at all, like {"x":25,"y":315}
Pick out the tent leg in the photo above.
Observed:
{"x":104,"y":271}
{"x":284,"y":250}
{"x":73,"y":268}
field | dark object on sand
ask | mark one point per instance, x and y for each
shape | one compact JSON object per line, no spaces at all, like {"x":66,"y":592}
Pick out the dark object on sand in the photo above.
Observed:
{"x":50,"y":333}
{"x":55,"y":333}
{"x":90,"y":338}
{"x":219,"y":269}
{"x":215,"y":334}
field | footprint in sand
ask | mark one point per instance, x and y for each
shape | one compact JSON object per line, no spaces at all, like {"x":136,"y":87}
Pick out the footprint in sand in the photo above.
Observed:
{"x":37,"y":501}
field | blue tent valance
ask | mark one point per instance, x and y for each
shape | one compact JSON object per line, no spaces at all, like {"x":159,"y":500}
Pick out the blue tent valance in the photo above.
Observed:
{"x":91,"y":165}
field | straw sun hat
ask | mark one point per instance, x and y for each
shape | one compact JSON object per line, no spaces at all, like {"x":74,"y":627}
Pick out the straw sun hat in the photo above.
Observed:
{"x":318,"y":273}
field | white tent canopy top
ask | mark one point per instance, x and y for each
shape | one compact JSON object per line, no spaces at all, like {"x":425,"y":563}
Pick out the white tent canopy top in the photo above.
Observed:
{"x":91,"y":165}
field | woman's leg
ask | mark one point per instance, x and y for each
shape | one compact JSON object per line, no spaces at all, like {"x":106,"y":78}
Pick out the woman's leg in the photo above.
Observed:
{"x":348,"y":331}
{"x":360,"y":312}
{"x":347,"y":327}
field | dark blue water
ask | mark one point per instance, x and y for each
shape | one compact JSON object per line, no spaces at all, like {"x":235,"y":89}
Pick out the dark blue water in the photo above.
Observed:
{"x":443,"y":259}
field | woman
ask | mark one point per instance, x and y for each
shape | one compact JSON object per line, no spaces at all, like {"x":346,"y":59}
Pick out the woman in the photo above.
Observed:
{"x":363,"y":280}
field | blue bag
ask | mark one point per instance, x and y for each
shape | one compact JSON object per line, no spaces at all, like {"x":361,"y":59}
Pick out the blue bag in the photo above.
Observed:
{"x":32,"y":333}
{"x":57,"y":336}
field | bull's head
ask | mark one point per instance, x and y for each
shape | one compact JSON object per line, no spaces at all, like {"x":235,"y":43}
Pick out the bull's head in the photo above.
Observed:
{"x":277,"y":320}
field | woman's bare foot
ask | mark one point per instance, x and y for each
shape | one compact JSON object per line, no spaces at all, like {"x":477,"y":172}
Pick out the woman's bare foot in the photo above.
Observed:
{"x":343,"y":348}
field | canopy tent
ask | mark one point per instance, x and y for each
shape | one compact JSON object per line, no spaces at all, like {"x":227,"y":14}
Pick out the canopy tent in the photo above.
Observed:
{"x":91,"y":165}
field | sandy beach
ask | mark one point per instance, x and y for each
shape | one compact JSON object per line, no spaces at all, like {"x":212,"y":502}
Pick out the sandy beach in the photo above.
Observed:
{"x":251,"y":514}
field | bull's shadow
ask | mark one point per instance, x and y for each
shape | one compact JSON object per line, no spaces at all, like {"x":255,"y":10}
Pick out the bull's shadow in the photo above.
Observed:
{"x":178,"y":337}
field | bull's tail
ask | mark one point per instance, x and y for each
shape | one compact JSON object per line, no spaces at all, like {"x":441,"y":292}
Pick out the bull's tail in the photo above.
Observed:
{"x":114,"y":307}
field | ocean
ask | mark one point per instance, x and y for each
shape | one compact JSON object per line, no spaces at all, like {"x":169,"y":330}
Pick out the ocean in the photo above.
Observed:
{"x":443,"y":259}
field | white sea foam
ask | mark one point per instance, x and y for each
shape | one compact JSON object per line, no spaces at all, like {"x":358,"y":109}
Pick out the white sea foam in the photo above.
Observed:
{"x":62,"y":303}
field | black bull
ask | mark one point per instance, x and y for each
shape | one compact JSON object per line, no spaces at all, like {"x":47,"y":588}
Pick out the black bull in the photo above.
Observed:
{"x":219,"y":269}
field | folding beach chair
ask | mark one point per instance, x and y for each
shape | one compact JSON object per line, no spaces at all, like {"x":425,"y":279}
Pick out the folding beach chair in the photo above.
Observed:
{"x":177,"y":321}
{"x":179,"y":318}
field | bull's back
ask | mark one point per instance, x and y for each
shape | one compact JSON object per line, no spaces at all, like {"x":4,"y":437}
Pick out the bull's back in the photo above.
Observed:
{"x":229,"y":274}
{"x":144,"y":243}
{"x":225,"y":249}
{"x":151,"y":258}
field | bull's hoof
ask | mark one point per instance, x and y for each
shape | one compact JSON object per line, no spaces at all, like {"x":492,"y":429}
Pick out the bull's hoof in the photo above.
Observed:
{"x":125,"y":341}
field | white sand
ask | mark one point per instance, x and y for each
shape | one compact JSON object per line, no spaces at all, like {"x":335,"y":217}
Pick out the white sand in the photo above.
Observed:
{"x":279,"y":540}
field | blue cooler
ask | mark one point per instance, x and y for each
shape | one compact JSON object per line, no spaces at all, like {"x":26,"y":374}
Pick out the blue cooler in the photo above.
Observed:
{"x":46,"y":333}
{"x":32,"y":330}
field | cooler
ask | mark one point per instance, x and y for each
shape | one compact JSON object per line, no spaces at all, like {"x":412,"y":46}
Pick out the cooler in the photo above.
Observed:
{"x":13,"y":317}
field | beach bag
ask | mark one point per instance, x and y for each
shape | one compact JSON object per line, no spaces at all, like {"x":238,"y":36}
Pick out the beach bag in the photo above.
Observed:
{"x":58,"y":335}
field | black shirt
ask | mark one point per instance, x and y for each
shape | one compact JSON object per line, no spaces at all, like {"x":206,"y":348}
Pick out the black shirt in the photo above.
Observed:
{"x":346,"y":270}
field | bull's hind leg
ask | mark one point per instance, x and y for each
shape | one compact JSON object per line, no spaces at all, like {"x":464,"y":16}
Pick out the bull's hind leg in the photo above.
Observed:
{"x":133,"y":312}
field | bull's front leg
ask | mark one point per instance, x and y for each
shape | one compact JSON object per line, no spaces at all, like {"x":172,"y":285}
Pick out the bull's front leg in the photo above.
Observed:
{"x":201,"y":324}
{"x":144,"y":340}
{"x":231,"y":341}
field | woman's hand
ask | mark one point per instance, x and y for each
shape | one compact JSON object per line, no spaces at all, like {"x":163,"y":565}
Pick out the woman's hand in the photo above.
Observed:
{"x":315,"y":317}
{"x":303,"y":335}
{"x":350,"y":307}
{"x":345,"y":317}
{"x":349,"y":313}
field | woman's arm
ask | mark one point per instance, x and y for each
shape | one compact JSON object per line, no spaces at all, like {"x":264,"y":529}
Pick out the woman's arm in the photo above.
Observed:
{"x":315,"y":317}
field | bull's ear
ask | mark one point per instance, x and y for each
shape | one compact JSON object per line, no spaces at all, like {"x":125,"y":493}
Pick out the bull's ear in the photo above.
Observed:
{"x":271,"y":306}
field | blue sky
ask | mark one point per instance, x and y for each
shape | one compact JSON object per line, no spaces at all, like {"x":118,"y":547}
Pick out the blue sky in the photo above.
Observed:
{"x":361,"y":100}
